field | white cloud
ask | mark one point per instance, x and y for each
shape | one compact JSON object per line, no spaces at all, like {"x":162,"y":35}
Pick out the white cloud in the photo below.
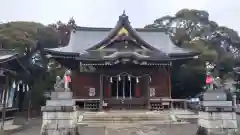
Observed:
{"x":104,"y":13}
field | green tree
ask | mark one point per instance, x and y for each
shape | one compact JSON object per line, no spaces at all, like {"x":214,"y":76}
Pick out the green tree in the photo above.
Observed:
{"x":24,"y":37}
{"x":20,"y":35}
{"x":64,"y":30}
{"x":193,"y":29}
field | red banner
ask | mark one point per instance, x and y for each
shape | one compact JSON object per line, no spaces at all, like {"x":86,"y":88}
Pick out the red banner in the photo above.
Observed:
{"x":108,"y":91}
{"x":137,"y":92}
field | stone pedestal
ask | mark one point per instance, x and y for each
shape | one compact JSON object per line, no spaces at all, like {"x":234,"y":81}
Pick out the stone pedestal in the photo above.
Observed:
{"x":218,"y":121}
{"x":234,"y":102}
{"x":59,"y":115}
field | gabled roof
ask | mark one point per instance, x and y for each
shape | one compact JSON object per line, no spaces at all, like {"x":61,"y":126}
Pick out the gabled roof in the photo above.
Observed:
{"x":9,"y":62}
{"x":123,"y":27}
{"x":84,"y":39}
{"x":113,"y":55}
{"x":7,"y":55}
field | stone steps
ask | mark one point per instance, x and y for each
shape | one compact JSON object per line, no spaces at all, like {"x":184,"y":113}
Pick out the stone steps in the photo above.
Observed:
{"x":137,"y":129}
{"x":104,"y":123}
{"x":124,"y":117}
{"x":60,"y":102}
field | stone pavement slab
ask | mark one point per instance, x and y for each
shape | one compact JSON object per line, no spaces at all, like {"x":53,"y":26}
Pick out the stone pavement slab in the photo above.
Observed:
{"x":8,"y":125}
{"x":31,"y":128}
{"x":141,"y":129}
{"x":34,"y":130}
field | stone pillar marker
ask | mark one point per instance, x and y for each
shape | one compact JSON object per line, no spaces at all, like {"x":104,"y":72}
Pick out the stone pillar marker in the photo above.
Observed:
{"x":234,"y":102}
{"x":59,"y":114}
{"x":185,"y":105}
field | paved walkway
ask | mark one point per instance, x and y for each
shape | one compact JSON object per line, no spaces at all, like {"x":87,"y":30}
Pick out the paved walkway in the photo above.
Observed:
{"x":33,"y":128}
{"x":8,"y":125}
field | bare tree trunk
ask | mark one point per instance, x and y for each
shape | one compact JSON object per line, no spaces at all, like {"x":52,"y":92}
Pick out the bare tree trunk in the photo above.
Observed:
{"x":29,"y":105}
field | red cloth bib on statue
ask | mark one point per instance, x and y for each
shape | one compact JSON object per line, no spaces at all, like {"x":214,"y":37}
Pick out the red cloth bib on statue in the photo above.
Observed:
{"x":209,"y":79}
{"x":67,"y":78}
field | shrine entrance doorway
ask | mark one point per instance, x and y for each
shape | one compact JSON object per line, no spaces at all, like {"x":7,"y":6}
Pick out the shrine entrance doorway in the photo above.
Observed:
{"x":125,"y":92}
{"x":123,"y":87}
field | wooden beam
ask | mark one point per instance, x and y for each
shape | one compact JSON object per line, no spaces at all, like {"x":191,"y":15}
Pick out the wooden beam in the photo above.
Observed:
{"x":101,"y":92}
{"x":148,"y":93}
{"x":169,"y":83}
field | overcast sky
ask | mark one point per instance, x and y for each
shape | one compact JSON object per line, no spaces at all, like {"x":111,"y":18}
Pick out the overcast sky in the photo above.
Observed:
{"x":104,"y":13}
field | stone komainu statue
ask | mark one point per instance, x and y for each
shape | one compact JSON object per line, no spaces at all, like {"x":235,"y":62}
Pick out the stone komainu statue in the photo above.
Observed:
{"x":59,"y":83}
{"x":63,"y":83}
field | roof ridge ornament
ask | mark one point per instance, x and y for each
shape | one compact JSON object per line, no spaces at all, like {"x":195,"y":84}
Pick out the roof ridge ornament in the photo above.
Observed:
{"x":124,"y":13}
{"x":123,"y":16}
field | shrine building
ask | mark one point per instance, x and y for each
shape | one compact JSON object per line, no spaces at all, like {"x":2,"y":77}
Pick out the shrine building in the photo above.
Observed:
{"x":120,"y":67}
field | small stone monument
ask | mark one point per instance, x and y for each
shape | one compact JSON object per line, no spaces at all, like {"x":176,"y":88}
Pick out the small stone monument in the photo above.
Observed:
{"x":59,"y":114}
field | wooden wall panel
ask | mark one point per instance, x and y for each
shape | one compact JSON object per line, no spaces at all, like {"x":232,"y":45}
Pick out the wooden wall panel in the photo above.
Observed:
{"x":160,"y":81}
{"x":106,"y":87}
{"x":81,"y":82}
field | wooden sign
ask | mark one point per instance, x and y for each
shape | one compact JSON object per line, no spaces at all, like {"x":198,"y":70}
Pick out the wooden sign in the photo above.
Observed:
{"x":92,"y":92}
{"x":152,"y":92}
{"x":87,"y":68}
